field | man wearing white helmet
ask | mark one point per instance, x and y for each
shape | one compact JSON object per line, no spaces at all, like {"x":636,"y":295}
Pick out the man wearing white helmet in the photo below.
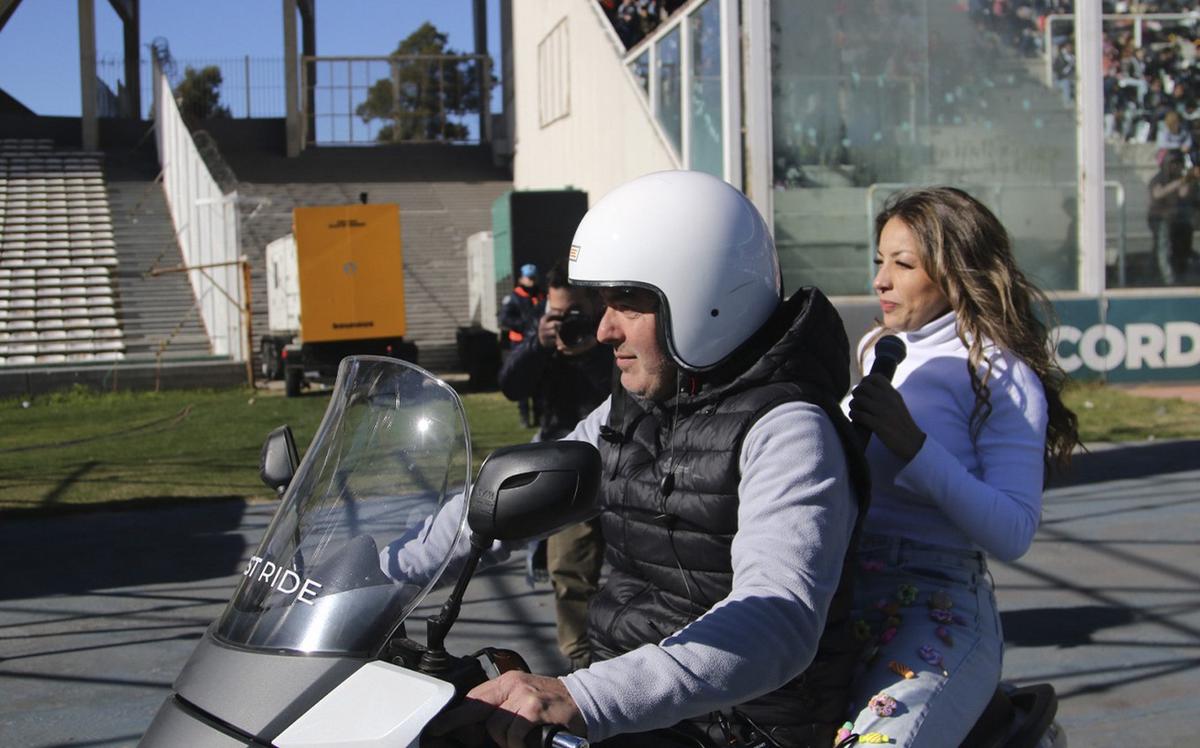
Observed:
{"x":729,"y":490}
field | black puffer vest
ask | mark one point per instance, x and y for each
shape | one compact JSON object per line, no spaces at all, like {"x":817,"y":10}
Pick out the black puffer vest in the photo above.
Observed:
{"x":668,"y":551}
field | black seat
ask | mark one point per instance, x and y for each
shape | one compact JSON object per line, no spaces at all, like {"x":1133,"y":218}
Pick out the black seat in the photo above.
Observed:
{"x":1014,"y":718}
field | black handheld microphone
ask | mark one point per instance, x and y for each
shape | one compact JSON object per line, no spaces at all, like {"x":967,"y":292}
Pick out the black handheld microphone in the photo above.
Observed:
{"x":889,"y":351}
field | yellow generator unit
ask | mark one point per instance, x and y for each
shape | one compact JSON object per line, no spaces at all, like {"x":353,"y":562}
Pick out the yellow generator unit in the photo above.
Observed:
{"x":335,"y":287}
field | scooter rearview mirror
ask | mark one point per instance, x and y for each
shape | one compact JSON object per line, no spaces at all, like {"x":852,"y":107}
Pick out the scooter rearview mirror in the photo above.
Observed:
{"x":279,"y":459}
{"x":533,"y":490}
{"x":522,"y":492}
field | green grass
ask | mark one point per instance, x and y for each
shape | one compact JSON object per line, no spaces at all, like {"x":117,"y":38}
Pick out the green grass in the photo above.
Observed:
{"x":78,"y":447}
{"x":1108,"y":414}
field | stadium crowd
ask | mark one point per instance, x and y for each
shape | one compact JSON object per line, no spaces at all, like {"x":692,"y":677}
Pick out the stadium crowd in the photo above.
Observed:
{"x":634,"y":20}
{"x":1143,"y":83}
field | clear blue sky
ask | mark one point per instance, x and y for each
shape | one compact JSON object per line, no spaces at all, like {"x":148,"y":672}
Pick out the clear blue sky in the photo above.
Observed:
{"x":39,"y":47}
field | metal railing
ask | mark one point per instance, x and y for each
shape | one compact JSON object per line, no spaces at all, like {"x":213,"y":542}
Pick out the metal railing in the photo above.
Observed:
{"x":250,"y":86}
{"x":405,"y":98}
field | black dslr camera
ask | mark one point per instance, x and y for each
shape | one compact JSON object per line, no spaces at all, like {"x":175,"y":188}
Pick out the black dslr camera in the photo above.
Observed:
{"x":576,"y":327}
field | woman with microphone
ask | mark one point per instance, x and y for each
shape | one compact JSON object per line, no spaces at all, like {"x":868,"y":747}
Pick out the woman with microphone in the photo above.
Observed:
{"x":963,"y":436}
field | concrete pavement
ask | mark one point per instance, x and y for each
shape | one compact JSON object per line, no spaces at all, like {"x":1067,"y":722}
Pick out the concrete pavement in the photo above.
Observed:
{"x":1106,"y":606}
{"x":98,"y":611}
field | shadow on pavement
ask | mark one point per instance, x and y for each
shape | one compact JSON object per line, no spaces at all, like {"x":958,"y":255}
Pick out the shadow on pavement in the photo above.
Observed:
{"x":1061,"y":627}
{"x":84,"y":551}
{"x":1132,"y":461}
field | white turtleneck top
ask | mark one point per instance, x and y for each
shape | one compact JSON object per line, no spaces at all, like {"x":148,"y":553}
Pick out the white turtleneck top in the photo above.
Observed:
{"x":983,"y":493}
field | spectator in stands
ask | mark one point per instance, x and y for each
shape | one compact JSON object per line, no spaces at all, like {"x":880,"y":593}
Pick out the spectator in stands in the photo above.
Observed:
{"x":647,"y":16}
{"x":1172,"y":202}
{"x":633,"y":20}
{"x":1133,"y":65}
{"x":1064,"y":73}
{"x":567,"y":374}
{"x":626,"y":23}
{"x":1191,"y":118}
{"x":1112,"y":86}
{"x":1155,"y":105}
{"x":1173,"y":136}
{"x":518,"y":318}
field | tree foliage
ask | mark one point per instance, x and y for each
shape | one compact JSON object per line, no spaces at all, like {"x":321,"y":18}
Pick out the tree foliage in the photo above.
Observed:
{"x":422,"y":95}
{"x":199,"y":94}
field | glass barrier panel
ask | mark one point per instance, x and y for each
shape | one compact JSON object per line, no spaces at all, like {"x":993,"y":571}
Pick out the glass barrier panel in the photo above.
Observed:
{"x":640,"y":68}
{"x":705,"y":117}
{"x":871,"y":98}
{"x":670,"y":105}
{"x":1151,"y":128}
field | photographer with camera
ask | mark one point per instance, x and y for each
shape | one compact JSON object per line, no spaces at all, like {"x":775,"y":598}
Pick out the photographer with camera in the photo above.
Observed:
{"x":1172,"y":200}
{"x":567,"y":373}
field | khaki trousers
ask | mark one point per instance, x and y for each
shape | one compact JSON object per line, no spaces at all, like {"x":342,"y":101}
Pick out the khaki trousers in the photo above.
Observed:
{"x":573,"y":558}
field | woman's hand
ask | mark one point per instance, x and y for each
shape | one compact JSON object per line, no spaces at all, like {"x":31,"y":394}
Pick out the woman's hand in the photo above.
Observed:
{"x":876,"y":404}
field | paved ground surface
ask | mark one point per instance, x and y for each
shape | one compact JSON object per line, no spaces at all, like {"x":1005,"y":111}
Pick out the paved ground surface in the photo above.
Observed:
{"x":98,"y":612}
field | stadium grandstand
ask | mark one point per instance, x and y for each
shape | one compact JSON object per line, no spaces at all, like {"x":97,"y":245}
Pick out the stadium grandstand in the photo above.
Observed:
{"x":57,"y":257}
{"x":1052,"y":112}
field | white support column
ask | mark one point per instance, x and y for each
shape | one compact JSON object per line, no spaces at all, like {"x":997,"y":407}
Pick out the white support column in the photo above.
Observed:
{"x":87,"y":75}
{"x":731,"y":93}
{"x":756,"y":82}
{"x":1089,"y":119}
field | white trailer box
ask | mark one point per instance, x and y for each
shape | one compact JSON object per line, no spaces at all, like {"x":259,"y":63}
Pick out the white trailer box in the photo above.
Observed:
{"x":283,"y":287}
{"x":481,"y":281}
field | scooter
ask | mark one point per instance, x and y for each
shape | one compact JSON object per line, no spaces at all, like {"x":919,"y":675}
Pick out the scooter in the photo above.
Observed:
{"x":312,"y":648}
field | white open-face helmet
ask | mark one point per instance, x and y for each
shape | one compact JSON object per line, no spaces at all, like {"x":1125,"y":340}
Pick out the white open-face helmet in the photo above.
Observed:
{"x":695,"y":241}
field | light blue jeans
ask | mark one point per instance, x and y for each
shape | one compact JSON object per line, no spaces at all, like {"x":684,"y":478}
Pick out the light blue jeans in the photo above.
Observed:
{"x":955,"y":662}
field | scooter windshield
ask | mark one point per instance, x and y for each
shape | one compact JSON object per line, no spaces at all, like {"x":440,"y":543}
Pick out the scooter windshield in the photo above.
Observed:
{"x":391,"y":451}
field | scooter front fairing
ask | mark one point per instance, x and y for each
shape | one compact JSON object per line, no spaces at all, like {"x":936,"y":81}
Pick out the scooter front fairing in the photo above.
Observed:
{"x":301,"y":638}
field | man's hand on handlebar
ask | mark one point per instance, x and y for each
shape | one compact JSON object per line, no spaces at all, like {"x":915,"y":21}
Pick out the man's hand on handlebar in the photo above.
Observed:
{"x":510,"y":707}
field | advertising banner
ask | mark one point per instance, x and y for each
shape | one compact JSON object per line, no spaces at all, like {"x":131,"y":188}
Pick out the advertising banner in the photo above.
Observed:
{"x":1134,"y":339}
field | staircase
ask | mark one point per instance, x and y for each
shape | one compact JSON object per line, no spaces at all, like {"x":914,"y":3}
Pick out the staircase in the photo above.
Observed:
{"x":158,"y":313}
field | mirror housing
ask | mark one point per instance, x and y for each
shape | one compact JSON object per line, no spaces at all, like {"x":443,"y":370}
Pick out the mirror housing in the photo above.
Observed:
{"x":279,"y":459}
{"x":532,"y":490}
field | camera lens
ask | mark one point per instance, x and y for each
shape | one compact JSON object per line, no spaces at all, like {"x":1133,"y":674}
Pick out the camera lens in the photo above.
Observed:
{"x":575,"y":328}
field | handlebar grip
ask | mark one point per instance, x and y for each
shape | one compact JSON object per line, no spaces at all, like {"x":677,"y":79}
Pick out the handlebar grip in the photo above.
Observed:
{"x":556,"y":737}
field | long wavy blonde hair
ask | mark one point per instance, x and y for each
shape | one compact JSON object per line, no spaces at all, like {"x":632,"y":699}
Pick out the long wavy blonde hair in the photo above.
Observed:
{"x":966,"y":252}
